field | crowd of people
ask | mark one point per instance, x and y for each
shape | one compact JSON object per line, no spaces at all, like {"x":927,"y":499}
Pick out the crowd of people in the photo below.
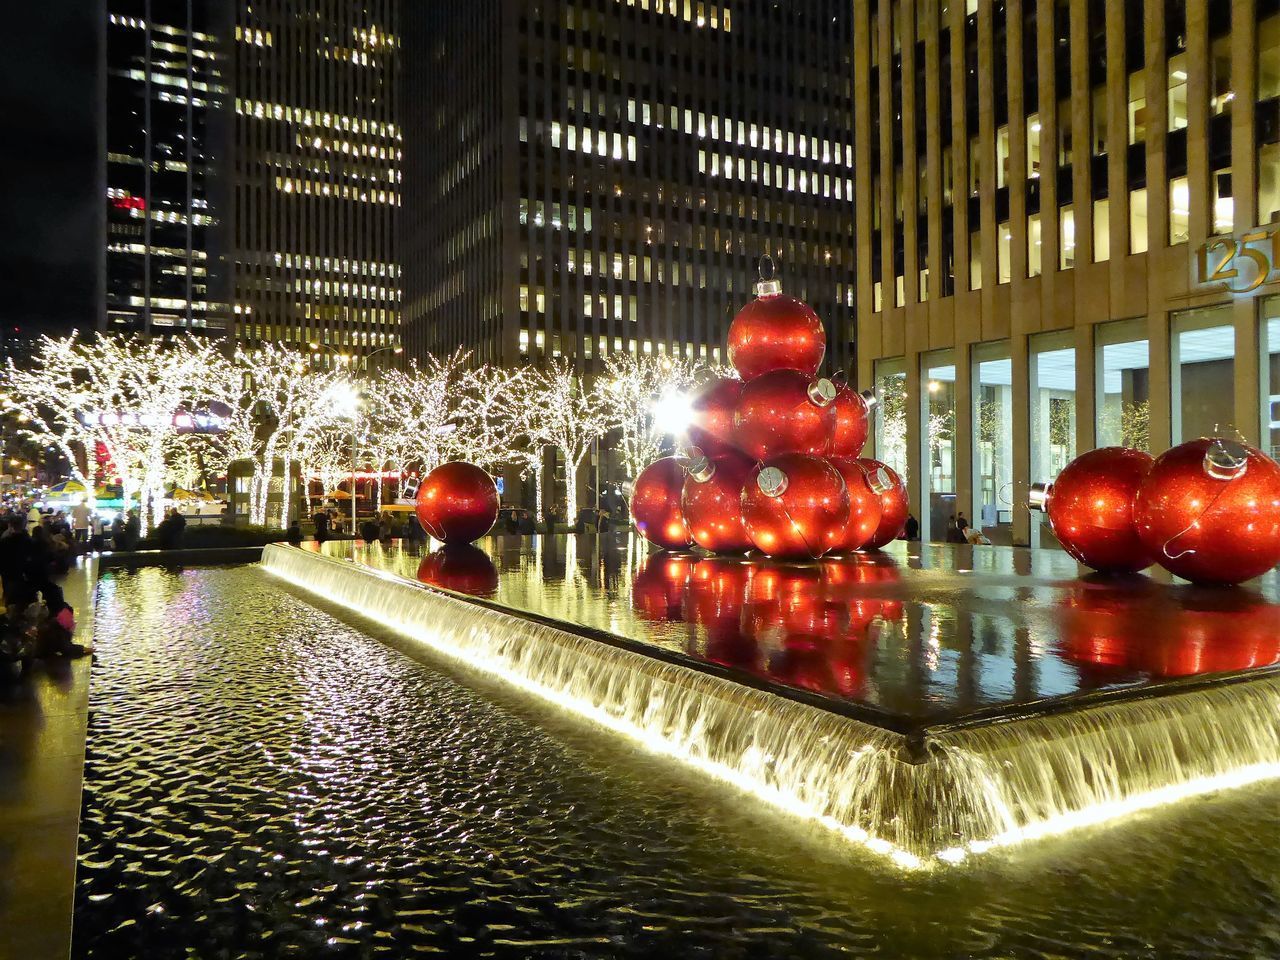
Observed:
{"x":36,"y":549}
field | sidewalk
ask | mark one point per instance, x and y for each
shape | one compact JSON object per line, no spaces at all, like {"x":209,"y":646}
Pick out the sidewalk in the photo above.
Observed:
{"x":43,"y":721}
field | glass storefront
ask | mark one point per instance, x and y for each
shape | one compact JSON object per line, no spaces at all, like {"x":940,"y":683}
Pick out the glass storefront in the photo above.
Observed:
{"x":1124,"y":385}
{"x":993,"y":441}
{"x":1052,"y":370}
{"x":1202,"y":371}
{"x":938,"y":430}
{"x":890,"y":414}
{"x":1271,"y":375}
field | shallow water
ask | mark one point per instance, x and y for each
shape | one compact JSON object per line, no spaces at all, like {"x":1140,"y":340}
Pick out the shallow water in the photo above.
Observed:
{"x":266,"y":778}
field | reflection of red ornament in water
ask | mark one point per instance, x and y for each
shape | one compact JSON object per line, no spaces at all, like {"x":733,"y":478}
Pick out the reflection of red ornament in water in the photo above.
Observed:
{"x":657,"y":591}
{"x":460,"y":567}
{"x":893,"y":502}
{"x":794,"y":506}
{"x":712,"y":408}
{"x":1090,"y":509}
{"x":1209,"y":510}
{"x":655,"y":504}
{"x":865,"y":505}
{"x":784,"y":412}
{"x":776,"y":332}
{"x":712,"y":503}
{"x":850,"y":433}
{"x":457,"y":503}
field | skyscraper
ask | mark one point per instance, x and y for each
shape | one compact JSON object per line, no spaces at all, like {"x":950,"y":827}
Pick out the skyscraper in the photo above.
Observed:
{"x":166,"y":152}
{"x":591,"y":177}
{"x":316,"y":183}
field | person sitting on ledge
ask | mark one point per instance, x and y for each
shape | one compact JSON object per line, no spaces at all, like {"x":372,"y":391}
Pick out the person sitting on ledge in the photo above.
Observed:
{"x":368,"y":531}
{"x":294,"y":534}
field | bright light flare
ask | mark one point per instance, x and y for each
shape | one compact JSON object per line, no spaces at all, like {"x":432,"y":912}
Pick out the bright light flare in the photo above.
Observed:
{"x":672,"y":413}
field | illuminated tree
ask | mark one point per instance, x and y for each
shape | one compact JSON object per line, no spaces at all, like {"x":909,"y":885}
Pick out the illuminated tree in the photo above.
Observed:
{"x":635,"y":394}
{"x":422,"y":402}
{"x":486,"y":420}
{"x":563,"y":415}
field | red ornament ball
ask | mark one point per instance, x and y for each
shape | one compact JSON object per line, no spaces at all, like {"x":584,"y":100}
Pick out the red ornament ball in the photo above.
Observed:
{"x":1209,"y":510}
{"x":784,"y":412}
{"x":776,"y":332}
{"x":1090,"y":508}
{"x":852,"y":417}
{"x":460,"y":567}
{"x":865,"y":505}
{"x":795,"y":506}
{"x":893,"y":502}
{"x":713,"y":405}
{"x":655,"y":505}
{"x":457,"y":502}
{"x":712,"y":503}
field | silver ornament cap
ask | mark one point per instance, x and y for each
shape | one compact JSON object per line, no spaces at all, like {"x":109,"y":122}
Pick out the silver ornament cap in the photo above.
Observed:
{"x":700,"y":468}
{"x":1226,"y":459}
{"x":879,"y":481}
{"x":1038,"y":496}
{"x":772,"y":482}
{"x":822,"y":391}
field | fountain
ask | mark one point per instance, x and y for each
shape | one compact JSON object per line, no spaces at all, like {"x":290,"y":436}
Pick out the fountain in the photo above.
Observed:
{"x":816,"y":687}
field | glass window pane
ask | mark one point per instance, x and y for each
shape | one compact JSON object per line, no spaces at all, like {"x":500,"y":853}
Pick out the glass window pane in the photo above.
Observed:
{"x":1124,"y":392}
{"x":1053,"y":415}
{"x":1203,"y":372}
{"x":1067,"y":238}
{"x":1271,"y":374}
{"x":891,"y":415}
{"x":993,"y":447}
{"x":1138,"y":220}
{"x":938,"y":412}
{"x":1179,"y":210}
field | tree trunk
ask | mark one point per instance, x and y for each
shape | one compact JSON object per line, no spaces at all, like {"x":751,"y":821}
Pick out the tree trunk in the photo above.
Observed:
{"x":286,"y":491}
{"x":537,"y":491}
{"x":570,"y":492}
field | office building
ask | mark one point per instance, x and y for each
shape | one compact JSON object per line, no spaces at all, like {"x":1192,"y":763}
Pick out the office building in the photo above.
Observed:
{"x":586,"y":178}
{"x":1066,"y":236}
{"x":315,"y":182}
{"x":165,"y":154}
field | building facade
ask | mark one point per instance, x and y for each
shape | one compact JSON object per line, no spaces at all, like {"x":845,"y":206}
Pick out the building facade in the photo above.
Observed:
{"x":315,"y":181}
{"x":593,"y":177}
{"x":1066,"y":237}
{"x":165,"y":156}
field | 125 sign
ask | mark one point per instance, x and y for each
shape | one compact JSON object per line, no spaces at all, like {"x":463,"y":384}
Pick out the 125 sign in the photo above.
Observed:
{"x":1241,"y":263}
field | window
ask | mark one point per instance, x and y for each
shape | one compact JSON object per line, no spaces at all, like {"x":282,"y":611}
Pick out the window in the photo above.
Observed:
{"x":992,"y":378}
{"x":1033,"y":146}
{"x":1067,"y":238}
{"x":1004,"y":243}
{"x":1137,"y":107}
{"x":1124,"y":385}
{"x":891,"y":414}
{"x":1220,"y":92}
{"x":1101,"y":230}
{"x":1271,"y":374}
{"x":938,"y":429}
{"x":1002,"y":157}
{"x":1269,"y":58}
{"x":1033,"y":245}
{"x":1138,"y":220}
{"x":1202,"y":372}
{"x":1052,"y":370}
{"x":1179,"y":211}
{"x":1223,"y":202}
{"x":1177,"y":92}
{"x":975,"y":260}
{"x":1269,"y":183}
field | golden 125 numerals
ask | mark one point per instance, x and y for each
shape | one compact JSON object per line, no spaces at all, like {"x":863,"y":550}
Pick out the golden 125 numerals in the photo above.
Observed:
{"x":1243,"y":263}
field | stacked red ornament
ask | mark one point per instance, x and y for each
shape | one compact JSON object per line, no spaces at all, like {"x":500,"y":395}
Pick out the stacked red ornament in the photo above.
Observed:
{"x":757,"y":472}
{"x":457,"y":502}
{"x":1207,"y":510}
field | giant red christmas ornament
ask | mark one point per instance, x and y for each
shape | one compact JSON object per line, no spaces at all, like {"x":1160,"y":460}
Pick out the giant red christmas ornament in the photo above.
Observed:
{"x":893,"y":502}
{"x":775,"y":332}
{"x":461,"y":567}
{"x":658,"y":588}
{"x":852,"y":413}
{"x":713,"y":405}
{"x":784,"y":412}
{"x":457,"y":502}
{"x":1090,"y":509}
{"x":712,"y":502}
{"x":655,"y":504}
{"x":1209,"y":510}
{"x":794,"y":506}
{"x":865,"y":505}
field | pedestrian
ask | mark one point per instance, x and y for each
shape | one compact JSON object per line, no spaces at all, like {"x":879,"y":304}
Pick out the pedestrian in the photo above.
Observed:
{"x":80,"y":520}
{"x":294,"y":534}
{"x":912,"y":528}
{"x":321,"y":521}
{"x":33,"y":518}
{"x":413,"y":532}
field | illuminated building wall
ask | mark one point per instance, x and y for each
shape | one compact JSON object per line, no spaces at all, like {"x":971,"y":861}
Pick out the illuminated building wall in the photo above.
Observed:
{"x":166,"y":149}
{"x":316,"y":174}
{"x":1067,"y":216}
{"x":591,"y":177}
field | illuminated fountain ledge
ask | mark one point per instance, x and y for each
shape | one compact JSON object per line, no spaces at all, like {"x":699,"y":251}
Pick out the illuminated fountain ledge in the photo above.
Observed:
{"x":921,"y":794}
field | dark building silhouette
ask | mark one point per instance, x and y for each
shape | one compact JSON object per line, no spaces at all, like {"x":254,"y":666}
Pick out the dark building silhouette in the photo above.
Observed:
{"x":590,"y":177}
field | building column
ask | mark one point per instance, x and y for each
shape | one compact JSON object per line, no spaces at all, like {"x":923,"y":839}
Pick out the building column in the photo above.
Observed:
{"x":1087,"y":361}
{"x":964,"y":443}
{"x":1248,"y":371}
{"x":1019,"y":347}
{"x":1160,"y":359}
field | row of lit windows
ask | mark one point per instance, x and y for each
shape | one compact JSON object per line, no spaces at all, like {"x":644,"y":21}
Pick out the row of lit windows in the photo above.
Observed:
{"x":252,"y":36}
{"x":368,"y":268}
{"x":140,"y":24}
{"x":333,"y":288}
{"x":371,"y":151}
{"x":697,"y":13}
{"x":164,"y":80}
{"x":477,"y":231}
{"x":776,"y":175}
{"x":538,"y":340}
{"x":308,"y":117}
{"x":373,"y":172}
{"x":178,"y":48}
{"x":171,"y":303}
{"x":312,"y":188}
{"x":540,"y":210}
{"x":155,"y":251}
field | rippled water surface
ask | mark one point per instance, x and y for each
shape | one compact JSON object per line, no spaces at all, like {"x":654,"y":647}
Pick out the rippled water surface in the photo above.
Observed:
{"x":266,"y":779}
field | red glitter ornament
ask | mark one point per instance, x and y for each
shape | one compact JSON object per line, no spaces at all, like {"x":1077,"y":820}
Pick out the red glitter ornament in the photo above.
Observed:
{"x":893,"y":502}
{"x":1209,"y":510}
{"x":853,"y":411}
{"x":784,"y":412}
{"x":655,"y":504}
{"x":795,"y":506}
{"x":1090,"y":509}
{"x":712,"y":503}
{"x":460,"y":567}
{"x":713,"y":405}
{"x":865,"y":506}
{"x":775,"y":332}
{"x":457,"y":502}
